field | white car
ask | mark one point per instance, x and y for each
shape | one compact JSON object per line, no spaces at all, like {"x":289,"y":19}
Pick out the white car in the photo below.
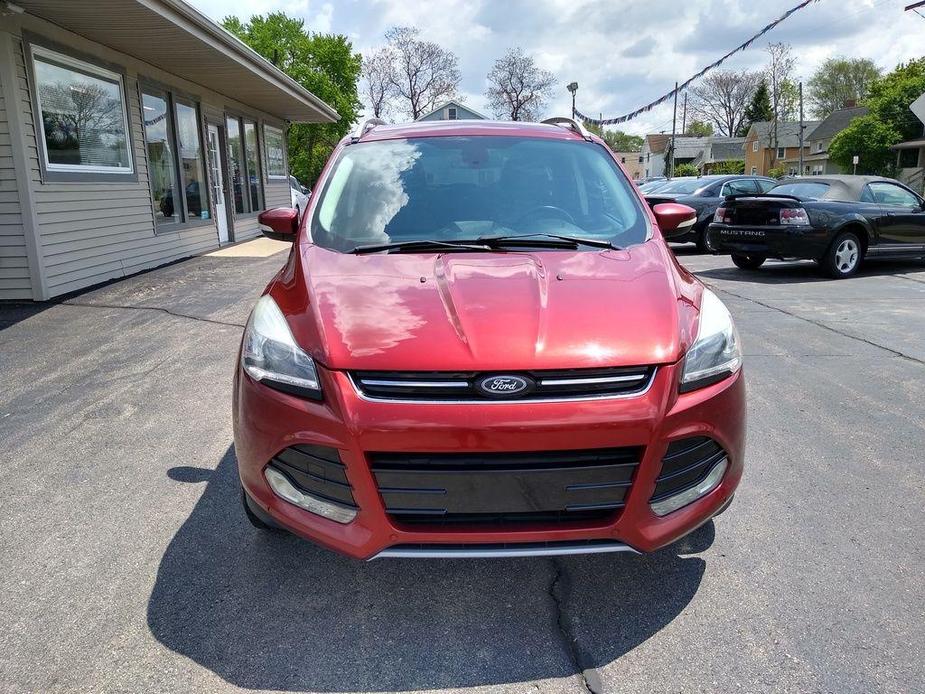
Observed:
{"x":299,"y":195}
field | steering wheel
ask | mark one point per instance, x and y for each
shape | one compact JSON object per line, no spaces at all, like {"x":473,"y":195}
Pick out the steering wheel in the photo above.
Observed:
{"x":546,"y":211}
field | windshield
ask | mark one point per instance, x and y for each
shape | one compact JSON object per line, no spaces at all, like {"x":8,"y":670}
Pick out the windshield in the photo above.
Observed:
{"x":683,"y":185}
{"x":801,"y":190}
{"x":461,"y":188}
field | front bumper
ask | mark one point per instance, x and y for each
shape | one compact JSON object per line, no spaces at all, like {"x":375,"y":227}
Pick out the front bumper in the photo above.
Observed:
{"x":769,"y":241}
{"x":267,"y":422}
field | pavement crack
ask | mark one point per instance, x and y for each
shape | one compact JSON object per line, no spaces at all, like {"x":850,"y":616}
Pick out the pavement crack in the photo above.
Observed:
{"x":558,"y":591}
{"x":151,"y":308}
{"x":820,"y":324}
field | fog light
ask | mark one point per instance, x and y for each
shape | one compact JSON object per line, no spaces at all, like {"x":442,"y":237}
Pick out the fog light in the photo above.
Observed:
{"x":705,"y":486}
{"x":284,"y":489}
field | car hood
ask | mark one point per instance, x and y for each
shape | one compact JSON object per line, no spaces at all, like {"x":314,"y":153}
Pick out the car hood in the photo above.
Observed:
{"x":489,"y":311}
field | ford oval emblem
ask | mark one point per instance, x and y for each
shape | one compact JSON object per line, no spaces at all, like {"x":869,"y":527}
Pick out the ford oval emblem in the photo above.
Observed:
{"x":503,"y":386}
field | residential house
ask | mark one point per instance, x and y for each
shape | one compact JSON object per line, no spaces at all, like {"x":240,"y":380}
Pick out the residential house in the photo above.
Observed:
{"x":816,"y":161}
{"x":910,"y":155}
{"x":653,"y":154}
{"x":453,"y":110}
{"x":719,"y":150}
{"x":760,"y":154}
{"x":687,"y":150}
{"x":633,"y":163}
{"x":130,"y":138}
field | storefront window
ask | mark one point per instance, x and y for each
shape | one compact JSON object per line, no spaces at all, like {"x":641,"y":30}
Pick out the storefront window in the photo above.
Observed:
{"x":274,"y":142}
{"x":253,"y":165}
{"x":236,"y":163}
{"x":82,"y":114}
{"x":191,"y":168}
{"x":162,"y":169}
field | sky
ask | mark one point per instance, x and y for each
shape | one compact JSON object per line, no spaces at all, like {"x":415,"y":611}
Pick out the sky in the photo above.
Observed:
{"x":623,"y":53}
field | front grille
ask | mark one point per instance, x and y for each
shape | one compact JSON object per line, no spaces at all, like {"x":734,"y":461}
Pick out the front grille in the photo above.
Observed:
{"x":505,"y":488}
{"x":316,"y":470}
{"x":459,"y":386}
{"x":685,"y":464}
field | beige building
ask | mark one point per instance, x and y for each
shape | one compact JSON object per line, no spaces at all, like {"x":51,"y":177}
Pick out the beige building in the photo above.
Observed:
{"x":633,"y":163}
{"x":132,"y":133}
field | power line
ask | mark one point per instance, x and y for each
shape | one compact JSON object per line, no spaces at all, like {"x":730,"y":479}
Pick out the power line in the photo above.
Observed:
{"x":717,"y":63}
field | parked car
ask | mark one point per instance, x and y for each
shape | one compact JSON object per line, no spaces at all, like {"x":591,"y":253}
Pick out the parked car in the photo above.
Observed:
{"x":649,"y":179}
{"x":705,"y":194}
{"x":482,"y":346}
{"x":834,"y":220}
{"x":299,"y":195}
{"x":650,"y":184}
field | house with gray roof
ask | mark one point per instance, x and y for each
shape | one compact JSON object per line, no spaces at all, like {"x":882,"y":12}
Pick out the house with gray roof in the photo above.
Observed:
{"x":816,"y":161}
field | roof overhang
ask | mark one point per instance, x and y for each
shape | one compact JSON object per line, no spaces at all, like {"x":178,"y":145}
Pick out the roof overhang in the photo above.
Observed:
{"x":177,"y":38}
{"x":911,"y":144}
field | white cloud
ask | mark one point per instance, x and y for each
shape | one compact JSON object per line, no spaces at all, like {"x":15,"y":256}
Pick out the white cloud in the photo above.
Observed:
{"x":602,"y":43}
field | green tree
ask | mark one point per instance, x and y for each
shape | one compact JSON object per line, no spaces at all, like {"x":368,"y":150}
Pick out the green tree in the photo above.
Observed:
{"x":889,"y":121}
{"x":759,"y":108}
{"x":617,"y":140}
{"x":889,"y":98}
{"x":838,"y":81}
{"x":699,"y":128}
{"x":686,"y":170}
{"x":870,"y":139}
{"x":733,"y":166}
{"x":325,"y":64}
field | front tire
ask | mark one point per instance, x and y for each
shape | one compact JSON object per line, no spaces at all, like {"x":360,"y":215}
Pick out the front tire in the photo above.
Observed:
{"x":748,"y":262}
{"x":843,"y":257}
{"x":704,"y":243}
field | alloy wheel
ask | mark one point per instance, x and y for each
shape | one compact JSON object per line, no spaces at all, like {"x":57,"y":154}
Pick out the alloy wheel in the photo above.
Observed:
{"x":846,"y":255}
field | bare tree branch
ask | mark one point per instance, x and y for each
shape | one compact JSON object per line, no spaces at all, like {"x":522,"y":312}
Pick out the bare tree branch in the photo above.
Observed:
{"x":722,"y":97}
{"x":518,"y":89}
{"x":378,"y":75}
{"x":424,"y":73}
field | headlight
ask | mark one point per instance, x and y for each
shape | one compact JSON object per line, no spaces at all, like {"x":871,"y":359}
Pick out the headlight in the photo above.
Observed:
{"x":715,"y":353}
{"x":270,"y":353}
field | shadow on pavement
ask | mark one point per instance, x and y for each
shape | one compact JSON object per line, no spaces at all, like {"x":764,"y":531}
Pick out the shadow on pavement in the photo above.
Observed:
{"x":13,"y":313}
{"x":271,"y":611}
{"x":804,"y":272}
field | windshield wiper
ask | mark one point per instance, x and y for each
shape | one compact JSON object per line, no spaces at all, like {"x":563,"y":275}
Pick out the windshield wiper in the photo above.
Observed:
{"x":421,"y":245}
{"x":551,"y":241}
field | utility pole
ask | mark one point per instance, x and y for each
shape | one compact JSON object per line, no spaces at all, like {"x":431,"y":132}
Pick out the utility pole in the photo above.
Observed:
{"x":573,"y":87}
{"x":684,"y":117}
{"x":674,"y":125}
{"x":800,"y":172}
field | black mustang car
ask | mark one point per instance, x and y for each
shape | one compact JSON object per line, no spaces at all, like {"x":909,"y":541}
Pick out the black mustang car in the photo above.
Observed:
{"x":705,"y":194}
{"x":835,"y":220}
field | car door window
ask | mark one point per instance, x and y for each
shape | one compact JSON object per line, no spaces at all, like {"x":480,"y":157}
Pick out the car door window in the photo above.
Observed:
{"x":744,"y":186}
{"x":892,"y":195}
{"x":764,"y":185}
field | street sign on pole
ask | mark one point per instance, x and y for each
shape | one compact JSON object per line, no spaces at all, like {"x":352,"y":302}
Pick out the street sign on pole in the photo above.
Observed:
{"x":854,"y":160}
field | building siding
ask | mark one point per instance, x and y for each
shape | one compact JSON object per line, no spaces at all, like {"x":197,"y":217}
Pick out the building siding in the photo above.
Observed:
{"x":15,"y":282}
{"x":91,"y":232}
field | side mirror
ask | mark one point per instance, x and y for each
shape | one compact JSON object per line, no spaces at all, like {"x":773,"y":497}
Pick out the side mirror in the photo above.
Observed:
{"x":674,"y":219}
{"x":280,"y":223}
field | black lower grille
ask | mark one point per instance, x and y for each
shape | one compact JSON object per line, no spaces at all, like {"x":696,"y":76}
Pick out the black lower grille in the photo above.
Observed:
{"x":505,"y":488}
{"x":470,"y":385}
{"x":316,"y":470}
{"x":685,"y":464}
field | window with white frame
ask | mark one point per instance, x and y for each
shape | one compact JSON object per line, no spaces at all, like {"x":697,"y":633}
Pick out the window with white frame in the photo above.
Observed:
{"x":755,"y":146}
{"x":451,"y":113}
{"x":275,"y":143}
{"x":83,"y":115}
{"x":819,"y":146}
{"x":780,"y":152}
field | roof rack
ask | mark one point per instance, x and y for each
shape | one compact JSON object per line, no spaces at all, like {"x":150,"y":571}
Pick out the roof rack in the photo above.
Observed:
{"x":365,"y":127}
{"x":571,"y":124}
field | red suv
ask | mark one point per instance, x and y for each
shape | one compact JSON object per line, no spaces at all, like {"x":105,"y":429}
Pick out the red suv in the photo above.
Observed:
{"x":480,"y":345}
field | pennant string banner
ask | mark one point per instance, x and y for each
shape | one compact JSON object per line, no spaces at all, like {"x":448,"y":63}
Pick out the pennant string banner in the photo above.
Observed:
{"x":682,"y":87}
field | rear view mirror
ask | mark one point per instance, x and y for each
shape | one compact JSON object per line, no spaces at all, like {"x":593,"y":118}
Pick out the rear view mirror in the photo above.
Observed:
{"x":674,"y":219}
{"x":280,"y":223}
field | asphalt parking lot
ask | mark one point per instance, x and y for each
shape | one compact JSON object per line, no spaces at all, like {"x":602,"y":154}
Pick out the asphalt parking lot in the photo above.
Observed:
{"x":129,"y":566}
